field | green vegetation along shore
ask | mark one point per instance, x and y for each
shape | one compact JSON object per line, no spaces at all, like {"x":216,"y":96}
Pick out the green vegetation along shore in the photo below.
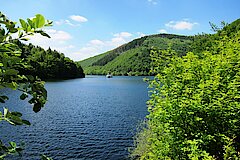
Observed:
{"x":195,"y":101}
{"x":48,"y":64}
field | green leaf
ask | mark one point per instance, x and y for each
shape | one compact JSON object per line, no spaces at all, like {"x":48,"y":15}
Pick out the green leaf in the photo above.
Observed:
{"x":30,"y":22}
{"x":19,"y":149}
{"x":49,"y":23}
{"x":3,"y":99}
{"x":29,"y":28}
{"x":37,"y":107}
{"x":5,"y":112}
{"x":44,"y":34}
{"x":23,"y":96}
{"x":30,"y":78}
{"x":11,"y":72}
{"x":4,"y":49}
{"x":26,"y":122}
{"x":23,"y":24}
{"x":13,"y":144}
{"x":12,"y":85}
{"x":2,"y":31}
{"x":25,"y":39}
{"x":16,"y":114}
{"x":15,"y":119}
{"x":13,"y":30}
{"x":39,"y":21}
{"x":20,"y":34}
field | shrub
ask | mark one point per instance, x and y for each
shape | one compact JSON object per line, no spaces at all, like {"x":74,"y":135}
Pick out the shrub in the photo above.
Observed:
{"x":195,"y":104}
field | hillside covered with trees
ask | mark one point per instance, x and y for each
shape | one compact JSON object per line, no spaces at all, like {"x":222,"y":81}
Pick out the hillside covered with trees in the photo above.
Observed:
{"x":48,"y":64}
{"x":195,"y":101}
{"x":133,"y":58}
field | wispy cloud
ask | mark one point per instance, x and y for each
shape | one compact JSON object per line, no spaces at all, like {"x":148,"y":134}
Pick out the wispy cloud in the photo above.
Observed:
{"x":74,"y":20}
{"x":181,"y":25}
{"x":154,"y":2}
{"x":162,"y":31}
{"x":66,"y":22}
{"x":78,"y":18}
{"x":97,"y":46}
{"x":140,"y":34}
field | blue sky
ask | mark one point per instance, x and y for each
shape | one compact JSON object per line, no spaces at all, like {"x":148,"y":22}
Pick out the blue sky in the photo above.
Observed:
{"x":84,"y":28}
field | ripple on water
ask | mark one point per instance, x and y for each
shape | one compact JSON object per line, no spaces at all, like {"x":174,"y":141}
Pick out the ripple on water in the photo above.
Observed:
{"x":91,"y":118}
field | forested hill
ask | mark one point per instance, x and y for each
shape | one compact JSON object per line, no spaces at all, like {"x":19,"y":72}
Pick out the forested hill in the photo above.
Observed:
{"x":48,"y":64}
{"x":133,"y":58}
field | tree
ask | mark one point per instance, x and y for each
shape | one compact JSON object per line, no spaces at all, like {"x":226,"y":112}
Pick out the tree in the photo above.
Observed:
{"x":195,"y":103}
{"x":10,"y":63}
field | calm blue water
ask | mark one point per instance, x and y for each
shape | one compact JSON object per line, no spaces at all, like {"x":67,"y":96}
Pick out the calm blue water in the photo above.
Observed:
{"x":90,"y":118}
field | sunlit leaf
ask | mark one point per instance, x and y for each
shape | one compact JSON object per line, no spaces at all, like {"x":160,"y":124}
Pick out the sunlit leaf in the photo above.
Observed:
{"x":39,"y":21}
{"x":23,"y":24}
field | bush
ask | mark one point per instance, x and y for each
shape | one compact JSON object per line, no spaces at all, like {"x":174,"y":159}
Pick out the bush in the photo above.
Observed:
{"x":195,"y":104}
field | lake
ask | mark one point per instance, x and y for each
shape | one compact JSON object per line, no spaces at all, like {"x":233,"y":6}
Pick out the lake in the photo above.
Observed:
{"x":90,"y":118}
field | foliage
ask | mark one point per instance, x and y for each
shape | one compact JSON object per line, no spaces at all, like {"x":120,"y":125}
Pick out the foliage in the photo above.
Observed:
{"x":133,"y":58}
{"x":10,"y":77}
{"x":195,"y":103}
{"x":48,"y":64}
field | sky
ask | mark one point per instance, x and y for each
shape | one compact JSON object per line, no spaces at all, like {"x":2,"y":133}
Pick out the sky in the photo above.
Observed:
{"x":85,"y":28}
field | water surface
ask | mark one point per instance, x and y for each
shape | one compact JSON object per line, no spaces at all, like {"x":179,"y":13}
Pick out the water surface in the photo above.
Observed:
{"x":90,"y":118}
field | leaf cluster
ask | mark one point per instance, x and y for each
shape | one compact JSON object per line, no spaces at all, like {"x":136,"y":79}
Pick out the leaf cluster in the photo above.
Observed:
{"x":48,"y":64}
{"x":11,"y":63}
{"x":195,"y":103}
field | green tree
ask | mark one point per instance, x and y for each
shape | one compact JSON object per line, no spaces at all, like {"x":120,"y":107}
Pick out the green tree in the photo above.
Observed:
{"x":11,"y":62}
{"x":195,"y":103}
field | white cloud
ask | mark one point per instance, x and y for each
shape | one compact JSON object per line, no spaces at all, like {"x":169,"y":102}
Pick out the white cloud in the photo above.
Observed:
{"x":96,"y":42}
{"x":119,"y":39}
{"x":59,"y":40}
{"x":78,"y":18}
{"x":71,"y":24}
{"x":181,"y":25}
{"x":85,"y":52}
{"x":123,"y":34}
{"x":154,"y":2}
{"x":58,"y":35}
{"x":162,"y":31}
{"x":60,"y":22}
{"x":95,"y":47}
{"x":75,"y":18}
{"x":140,"y":34}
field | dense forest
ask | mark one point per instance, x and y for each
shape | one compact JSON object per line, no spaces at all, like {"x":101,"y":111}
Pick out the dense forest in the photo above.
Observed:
{"x":48,"y":64}
{"x":133,"y":58}
{"x":195,"y":101}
